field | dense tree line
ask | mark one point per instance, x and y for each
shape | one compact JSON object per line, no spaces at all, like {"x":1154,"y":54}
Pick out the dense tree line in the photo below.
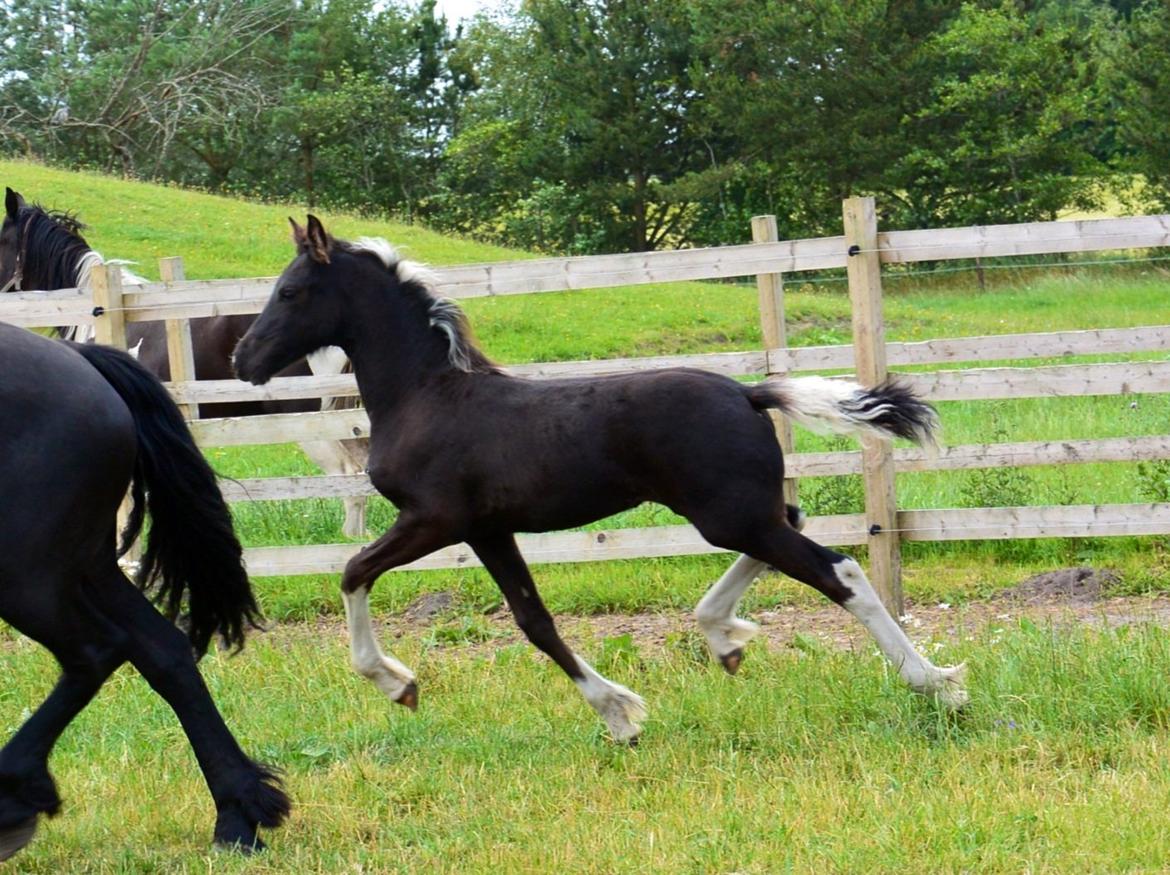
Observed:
{"x":605,"y":125}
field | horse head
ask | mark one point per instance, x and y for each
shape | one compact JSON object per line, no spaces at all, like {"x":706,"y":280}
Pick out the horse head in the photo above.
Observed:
{"x":10,"y":242}
{"x":304,"y":312}
{"x":39,"y":249}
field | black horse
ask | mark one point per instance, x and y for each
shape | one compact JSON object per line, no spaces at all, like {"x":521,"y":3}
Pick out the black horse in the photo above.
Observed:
{"x":81,"y":423}
{"x":44,"y":250}
{"x":470,"y":453}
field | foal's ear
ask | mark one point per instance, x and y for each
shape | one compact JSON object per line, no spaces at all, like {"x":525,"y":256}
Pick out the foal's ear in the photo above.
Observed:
{"x":300,"y":238}
{"x":13,"y":202}
{"x":312,"y":240}
{"x":318,"y":241}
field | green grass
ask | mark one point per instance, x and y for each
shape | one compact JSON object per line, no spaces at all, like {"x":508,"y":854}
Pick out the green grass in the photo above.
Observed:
{"x":810,"y":759}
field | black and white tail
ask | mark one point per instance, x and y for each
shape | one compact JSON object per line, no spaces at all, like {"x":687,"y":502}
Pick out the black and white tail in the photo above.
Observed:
{"x":887,"y":410}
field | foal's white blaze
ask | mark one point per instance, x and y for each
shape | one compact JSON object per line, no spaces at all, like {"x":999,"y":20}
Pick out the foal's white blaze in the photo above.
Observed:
{"x":715,"y":613}
{"x":388,"y":674}
{"x":945,"y":683}
{"x":622,"y":710}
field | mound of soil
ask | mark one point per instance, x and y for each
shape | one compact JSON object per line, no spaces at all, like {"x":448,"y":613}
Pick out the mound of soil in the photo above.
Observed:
{"x":426,"y":608}
{"x":1065,"y":585}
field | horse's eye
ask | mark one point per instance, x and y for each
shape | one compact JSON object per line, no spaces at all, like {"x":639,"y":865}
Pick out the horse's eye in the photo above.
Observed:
{"x":287,"y":293}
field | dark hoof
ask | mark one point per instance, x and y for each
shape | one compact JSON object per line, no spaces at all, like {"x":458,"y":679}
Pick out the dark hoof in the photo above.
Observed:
{"x":409,"y":696}
{"x":241,"y":847}
{"x":16,"y":837}
{"x":732,"y":660}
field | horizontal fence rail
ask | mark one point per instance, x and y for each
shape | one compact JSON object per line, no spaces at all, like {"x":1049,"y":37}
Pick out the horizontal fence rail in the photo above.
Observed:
{"x":178,"y":300}
{"x":842,"y":530}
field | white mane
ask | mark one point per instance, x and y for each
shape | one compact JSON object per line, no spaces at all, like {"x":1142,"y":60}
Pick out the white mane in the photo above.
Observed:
{"x":445,"y":315}
{"x":84,"y":279}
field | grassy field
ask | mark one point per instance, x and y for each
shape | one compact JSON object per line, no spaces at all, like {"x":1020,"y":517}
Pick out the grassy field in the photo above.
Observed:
{"x":811,"y":759}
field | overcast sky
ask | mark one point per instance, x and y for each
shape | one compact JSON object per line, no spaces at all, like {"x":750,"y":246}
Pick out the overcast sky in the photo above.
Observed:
{"x":458,"y":9}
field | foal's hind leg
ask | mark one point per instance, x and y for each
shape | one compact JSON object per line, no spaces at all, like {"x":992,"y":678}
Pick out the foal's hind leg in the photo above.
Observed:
{"x":727,"y":634}
{"x":622,"y":709}
{"x":408,"y":539}
{"x":842,"y":580}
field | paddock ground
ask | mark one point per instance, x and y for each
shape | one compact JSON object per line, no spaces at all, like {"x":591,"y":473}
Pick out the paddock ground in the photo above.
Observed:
{"x":814,"y":758}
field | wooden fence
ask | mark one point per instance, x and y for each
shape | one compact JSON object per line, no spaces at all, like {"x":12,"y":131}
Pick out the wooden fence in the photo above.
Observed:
{"x":862,"y":251}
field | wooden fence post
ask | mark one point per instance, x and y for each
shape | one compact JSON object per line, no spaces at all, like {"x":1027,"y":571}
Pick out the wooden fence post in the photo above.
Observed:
{"x":180,"y":352}
{"x":770,"y":287}
{"x":109,"y":327}
{"x":109,"y":321}
{"x":869,"y":345}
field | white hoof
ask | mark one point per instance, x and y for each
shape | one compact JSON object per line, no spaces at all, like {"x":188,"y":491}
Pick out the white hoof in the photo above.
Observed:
{"x":623,"y":711}
{"x":948,"y":686}
{"x":727,"y":638}
{"x":391,"y":677}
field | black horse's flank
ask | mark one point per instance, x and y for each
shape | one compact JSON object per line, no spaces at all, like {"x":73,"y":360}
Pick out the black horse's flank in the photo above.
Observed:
{"x":470,"y":453}
{"x":80,"y":425}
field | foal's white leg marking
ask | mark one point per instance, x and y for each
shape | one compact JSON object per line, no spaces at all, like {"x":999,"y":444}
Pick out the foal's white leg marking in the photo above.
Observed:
{"x":726,"y":633}
{"x":620,"y":708}
{"x":945,"y":683}
{"x":388,"y":674}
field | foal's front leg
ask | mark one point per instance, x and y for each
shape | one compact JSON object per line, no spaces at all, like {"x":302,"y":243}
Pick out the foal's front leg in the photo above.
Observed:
{"x":622,"y":709}
{"x":407,"y":540}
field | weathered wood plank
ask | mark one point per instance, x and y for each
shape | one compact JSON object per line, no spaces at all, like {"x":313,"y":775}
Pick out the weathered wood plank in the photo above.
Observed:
{"x":770,"y":295}
{"x":797,"y":465}
{"x":110,"y":326}
{"x":1068,"y":521}
{"x":596,"y":546}
{"x":46,"y":309}
{"x":294,"y":488}
{"x":958,"y":458}
{"x":279,"y":428}
{"x":1111,"y":378}
{"x":1032,"y":238}
{"x":1073,"y":521}
{"x":1102,"y":341}
{"x":180,"y":349}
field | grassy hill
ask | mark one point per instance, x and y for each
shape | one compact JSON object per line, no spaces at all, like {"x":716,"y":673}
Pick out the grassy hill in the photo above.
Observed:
{"x":217,"y":236}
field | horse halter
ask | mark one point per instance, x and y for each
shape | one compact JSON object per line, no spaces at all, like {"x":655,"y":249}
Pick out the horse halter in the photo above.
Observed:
{"x":13,"y":284}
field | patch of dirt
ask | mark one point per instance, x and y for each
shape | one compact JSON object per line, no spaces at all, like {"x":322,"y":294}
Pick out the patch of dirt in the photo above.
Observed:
{"x":426,"y":608}
{"x":1069,"y":597}
{"x":1074,"y":585}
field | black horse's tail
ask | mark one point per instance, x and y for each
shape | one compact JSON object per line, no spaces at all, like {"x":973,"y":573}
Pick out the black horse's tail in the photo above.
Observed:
{"x":192,"y":552}
{"x":888,"y":410}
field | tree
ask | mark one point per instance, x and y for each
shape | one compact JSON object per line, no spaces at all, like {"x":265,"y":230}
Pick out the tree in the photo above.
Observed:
{"x":598,"y":96}
{"x":1007,"y":131}
{"x":806,"y":100}
{"x":117,"y":83}
{"x":1140,"y":79}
